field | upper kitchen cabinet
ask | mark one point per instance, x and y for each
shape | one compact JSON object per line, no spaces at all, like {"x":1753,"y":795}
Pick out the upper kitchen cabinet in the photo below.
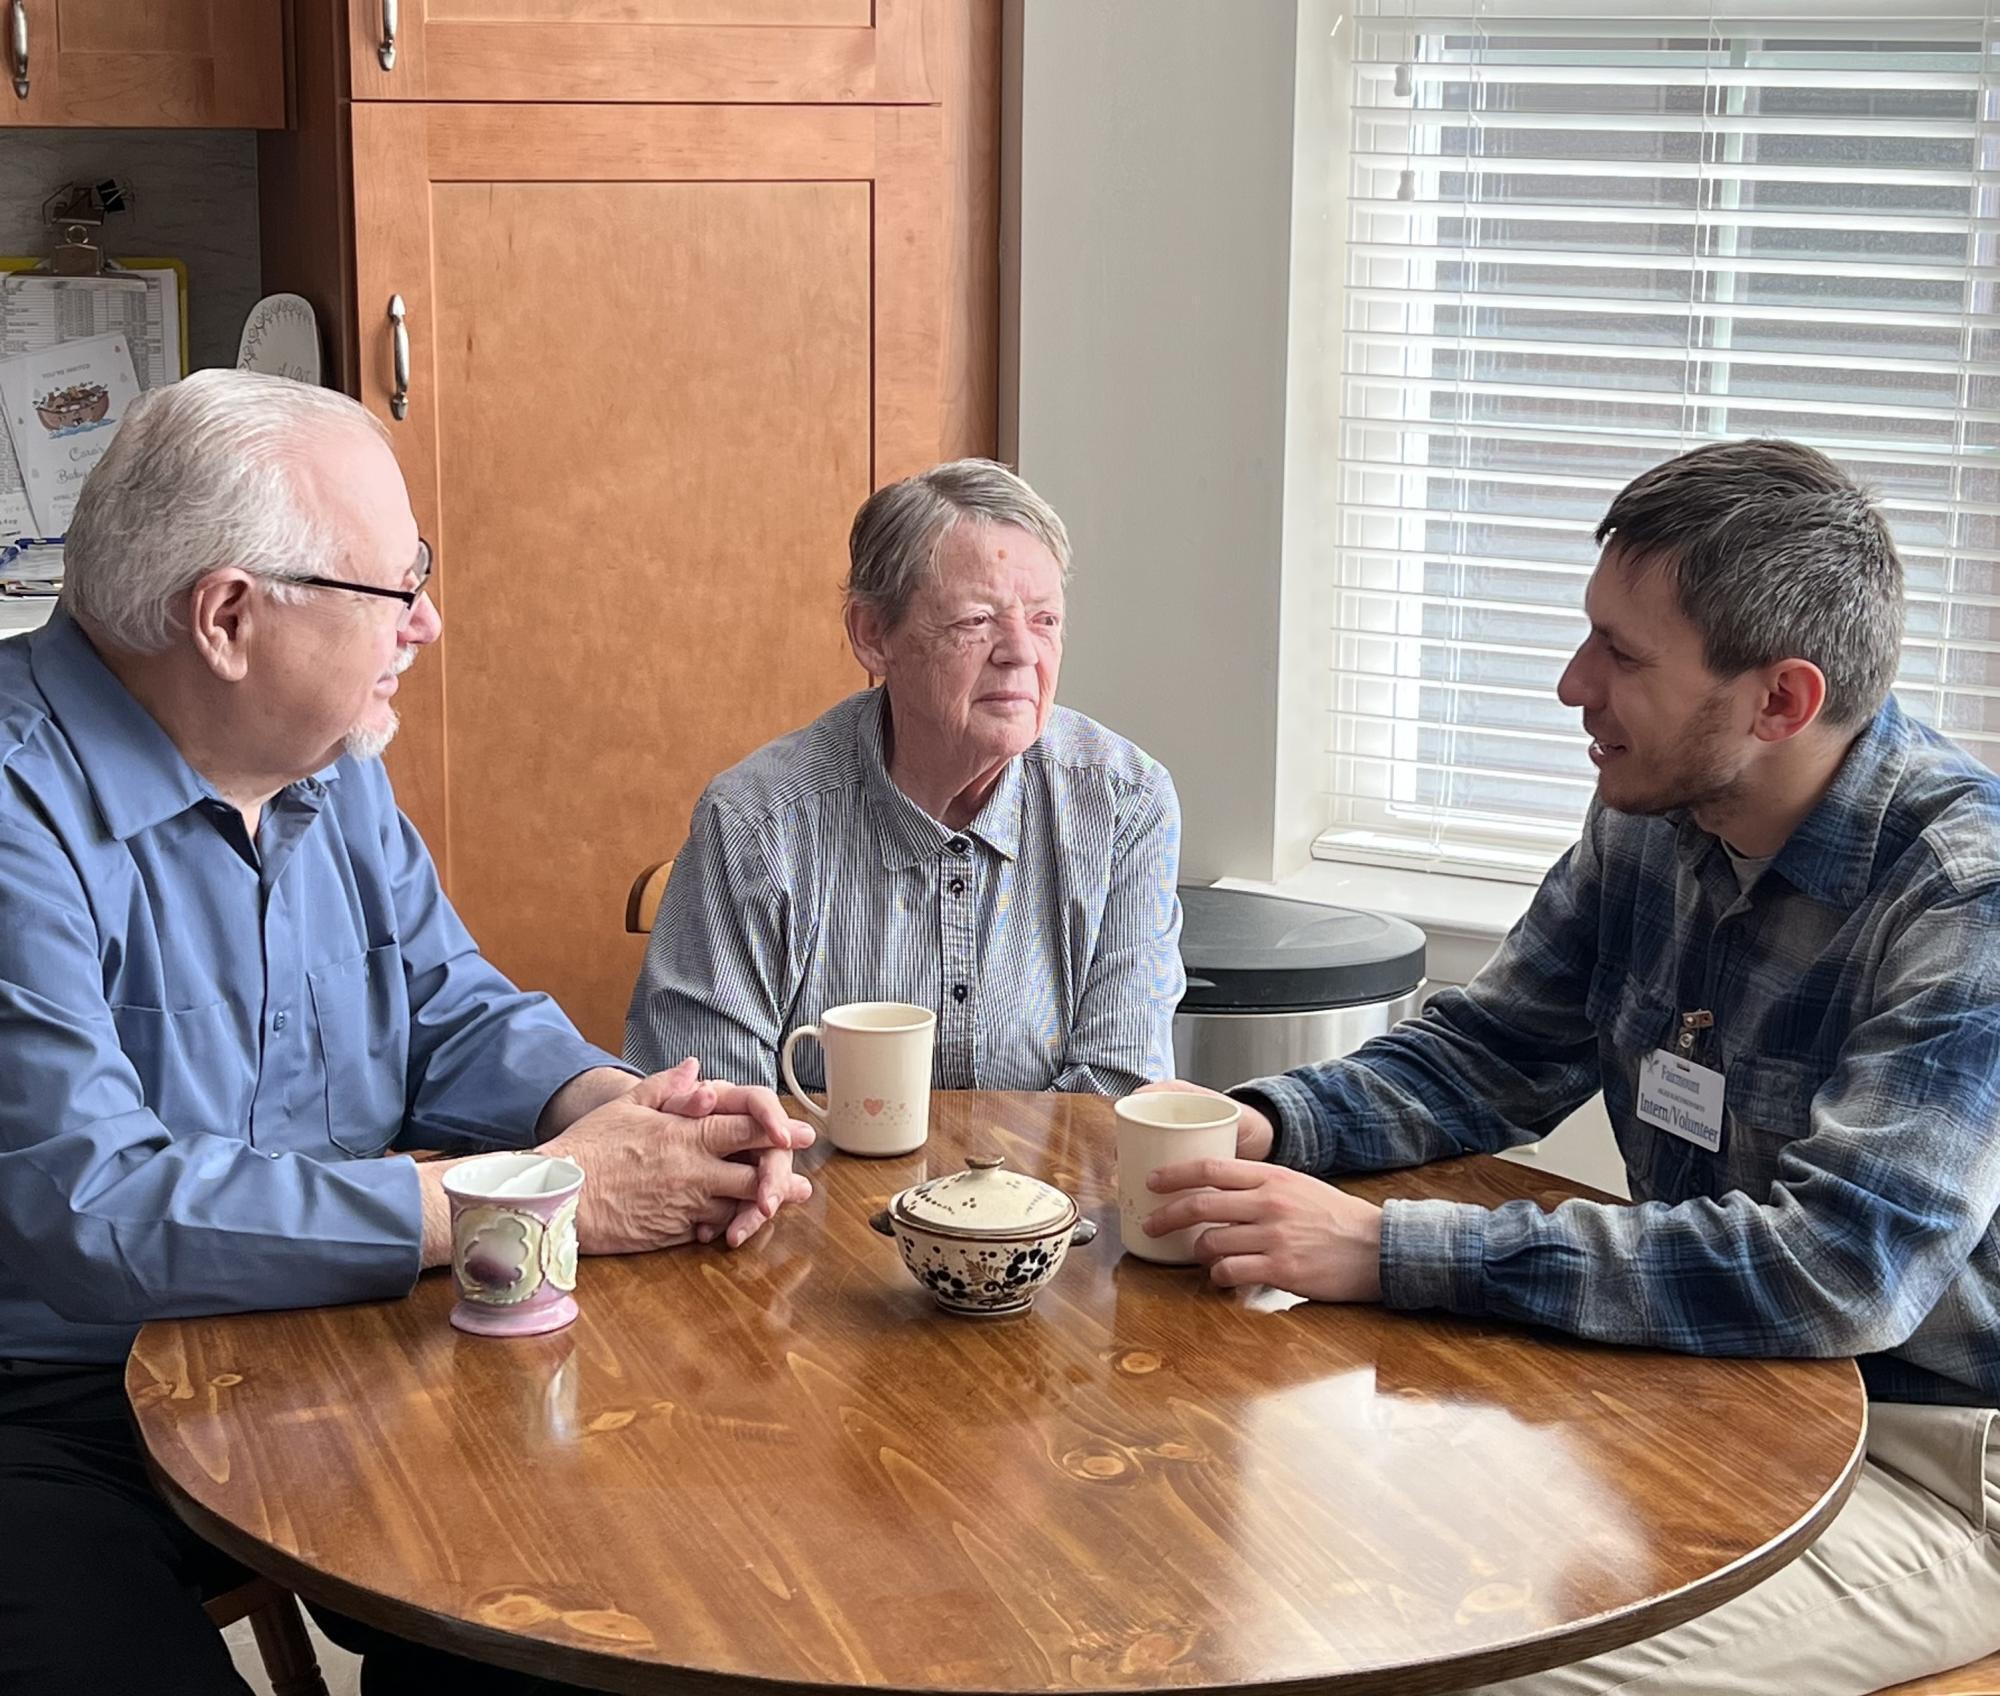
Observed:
{"x":640,"y":364}
{"x":640,"y":356}
{"x":766,"y":52}
{"x":148,"y":64}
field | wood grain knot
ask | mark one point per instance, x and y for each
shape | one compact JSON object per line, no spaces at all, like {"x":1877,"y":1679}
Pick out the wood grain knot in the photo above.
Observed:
{"x":225,"y":1380}
{"x":614,"y":1420}
{"x":1096,"y":1465}
{"x":609,"y":1625}
{"x":514,"y":1611}
{"x":1154,"y":1651}
{"x":1494,"y":1599}
{"x":1138,"y":1362}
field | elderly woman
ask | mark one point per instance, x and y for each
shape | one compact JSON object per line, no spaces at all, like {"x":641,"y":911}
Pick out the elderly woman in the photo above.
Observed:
{"x":953,"y":839}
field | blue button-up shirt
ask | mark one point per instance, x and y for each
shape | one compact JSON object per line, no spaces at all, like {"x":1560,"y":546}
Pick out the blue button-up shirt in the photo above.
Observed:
{"x":204,"y":1038}
{"x":1855,"y":989}
{"x":1045,"y":934}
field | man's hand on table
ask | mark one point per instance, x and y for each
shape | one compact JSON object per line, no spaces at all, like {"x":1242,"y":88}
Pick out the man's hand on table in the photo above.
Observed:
{"x":1272,"y":1225}
{"x":682,"y":1159}
{"x":1254,"y":1135}
{"x":684,"y":1092}
{"x":585,"y":1091}
{"x":674,"y":1158}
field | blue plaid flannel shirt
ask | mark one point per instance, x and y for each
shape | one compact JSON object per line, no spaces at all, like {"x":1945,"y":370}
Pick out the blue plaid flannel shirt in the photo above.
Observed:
{"x":1851,"y":1208}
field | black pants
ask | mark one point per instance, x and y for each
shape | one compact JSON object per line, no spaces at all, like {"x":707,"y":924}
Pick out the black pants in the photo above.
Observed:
{"x":101,"y":1586}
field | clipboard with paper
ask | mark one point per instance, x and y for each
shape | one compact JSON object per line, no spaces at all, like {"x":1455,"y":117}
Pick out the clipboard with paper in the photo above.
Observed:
{"x":141,"y":302}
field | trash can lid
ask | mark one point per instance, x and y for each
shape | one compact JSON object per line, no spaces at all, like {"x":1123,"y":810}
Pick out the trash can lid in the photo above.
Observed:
{"x":1252,"y":953}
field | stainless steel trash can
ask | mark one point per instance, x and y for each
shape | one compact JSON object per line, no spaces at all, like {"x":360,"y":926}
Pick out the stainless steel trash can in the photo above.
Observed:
{"x":1275,"y":983}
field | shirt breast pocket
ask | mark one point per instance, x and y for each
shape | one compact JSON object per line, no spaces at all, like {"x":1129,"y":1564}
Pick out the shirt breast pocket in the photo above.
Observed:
{"x":192,"y":1065}
{"x":360,"y":1019}
{"x":1769,"y":1103}
{"x":1630,"y":1020}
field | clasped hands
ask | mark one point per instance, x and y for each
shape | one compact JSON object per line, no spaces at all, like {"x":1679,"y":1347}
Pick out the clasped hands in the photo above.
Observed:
{"x":679,"y":1158}
{"x":1269,"y":1224}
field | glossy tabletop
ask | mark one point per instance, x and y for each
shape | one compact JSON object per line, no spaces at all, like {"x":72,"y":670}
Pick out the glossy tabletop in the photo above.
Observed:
{"x":784,"y":1467}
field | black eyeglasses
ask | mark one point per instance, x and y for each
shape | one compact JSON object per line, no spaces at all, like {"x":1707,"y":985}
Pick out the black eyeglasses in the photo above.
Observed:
{"x":408,"y":597}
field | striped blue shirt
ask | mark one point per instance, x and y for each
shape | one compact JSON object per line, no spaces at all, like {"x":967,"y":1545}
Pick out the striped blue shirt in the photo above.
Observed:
{"x":1851,"y":1207}
{"x":1045,"y":934}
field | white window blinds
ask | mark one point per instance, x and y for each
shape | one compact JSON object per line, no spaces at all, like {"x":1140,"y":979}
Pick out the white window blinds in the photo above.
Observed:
{"x":1584,"y":235}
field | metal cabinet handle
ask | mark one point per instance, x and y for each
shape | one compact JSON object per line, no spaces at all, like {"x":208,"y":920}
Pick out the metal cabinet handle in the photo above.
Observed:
{"x":18,"y":42}
{"x":386,"y":49}
{"x":399,"y":402}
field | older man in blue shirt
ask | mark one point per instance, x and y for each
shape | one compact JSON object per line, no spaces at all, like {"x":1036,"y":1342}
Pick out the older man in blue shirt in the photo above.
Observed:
{"x":229,"y":981}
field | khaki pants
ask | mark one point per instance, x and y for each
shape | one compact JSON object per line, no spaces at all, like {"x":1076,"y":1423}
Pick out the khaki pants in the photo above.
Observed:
{"x":1904,"y":1582}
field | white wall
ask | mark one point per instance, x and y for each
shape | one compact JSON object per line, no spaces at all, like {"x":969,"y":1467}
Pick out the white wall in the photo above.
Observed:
{"x":1149,"y":207}
{"x":1154,"y":347}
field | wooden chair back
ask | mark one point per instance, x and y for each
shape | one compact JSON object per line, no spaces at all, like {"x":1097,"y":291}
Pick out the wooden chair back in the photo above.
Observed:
{"x":642,"y":905}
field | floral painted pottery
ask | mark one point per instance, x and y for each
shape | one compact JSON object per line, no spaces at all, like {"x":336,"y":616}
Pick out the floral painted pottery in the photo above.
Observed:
{"x":984,"y":1240}
{"x":513,"y":1243}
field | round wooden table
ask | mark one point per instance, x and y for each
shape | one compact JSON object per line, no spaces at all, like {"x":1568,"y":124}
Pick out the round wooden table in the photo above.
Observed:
{"x":783,"y":1467}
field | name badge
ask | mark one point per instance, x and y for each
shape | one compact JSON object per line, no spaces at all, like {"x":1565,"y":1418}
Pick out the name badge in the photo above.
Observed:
{"x":1681,"y":1098}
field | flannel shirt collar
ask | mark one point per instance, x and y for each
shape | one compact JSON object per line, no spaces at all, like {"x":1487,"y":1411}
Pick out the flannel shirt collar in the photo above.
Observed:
{"x":1831,"y":855}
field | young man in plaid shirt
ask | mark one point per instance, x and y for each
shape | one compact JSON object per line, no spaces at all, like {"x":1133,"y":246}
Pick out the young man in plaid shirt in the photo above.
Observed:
{"x":1776,"y":950}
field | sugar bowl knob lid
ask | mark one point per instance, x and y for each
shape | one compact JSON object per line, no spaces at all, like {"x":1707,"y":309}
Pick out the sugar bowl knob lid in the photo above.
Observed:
{"x":985,"y":1197}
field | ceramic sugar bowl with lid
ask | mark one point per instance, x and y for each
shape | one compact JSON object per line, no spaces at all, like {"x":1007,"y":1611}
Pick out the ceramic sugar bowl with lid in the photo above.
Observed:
{"x":985,"y":1240}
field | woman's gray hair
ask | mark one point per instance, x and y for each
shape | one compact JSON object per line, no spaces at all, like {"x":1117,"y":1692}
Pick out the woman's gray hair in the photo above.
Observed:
{"x":201,"y":475}
{"x":893,"y":547}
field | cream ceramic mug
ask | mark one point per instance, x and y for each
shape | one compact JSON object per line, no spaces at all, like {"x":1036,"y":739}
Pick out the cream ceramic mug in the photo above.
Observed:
{"x":878,"y":1075}
{"x":1155,"y":1131}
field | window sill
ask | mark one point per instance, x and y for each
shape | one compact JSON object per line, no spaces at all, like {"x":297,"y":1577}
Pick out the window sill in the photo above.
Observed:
{"x":1463,"y":918}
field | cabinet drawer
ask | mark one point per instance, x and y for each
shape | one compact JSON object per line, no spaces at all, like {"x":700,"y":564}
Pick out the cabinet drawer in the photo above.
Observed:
{"x":167,"y":64}
{"x":877,"y":52}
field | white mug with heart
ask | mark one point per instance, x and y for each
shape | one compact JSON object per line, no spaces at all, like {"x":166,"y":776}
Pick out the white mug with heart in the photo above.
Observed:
{"x":878,"y":1075}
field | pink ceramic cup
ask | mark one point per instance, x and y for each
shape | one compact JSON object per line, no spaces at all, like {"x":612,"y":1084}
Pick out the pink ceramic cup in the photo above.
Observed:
{"x":513,"y":1243}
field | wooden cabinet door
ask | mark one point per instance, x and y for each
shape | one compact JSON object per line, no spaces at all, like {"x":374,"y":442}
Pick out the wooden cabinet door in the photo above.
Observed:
{"x":658,"y":356}
{"x":148,"y":63}
{"x":27,"y":63}
{"x":644,"y":50}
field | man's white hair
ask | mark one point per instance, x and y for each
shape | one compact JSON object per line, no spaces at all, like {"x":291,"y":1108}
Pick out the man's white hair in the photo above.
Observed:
{"x":202,"y":475}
